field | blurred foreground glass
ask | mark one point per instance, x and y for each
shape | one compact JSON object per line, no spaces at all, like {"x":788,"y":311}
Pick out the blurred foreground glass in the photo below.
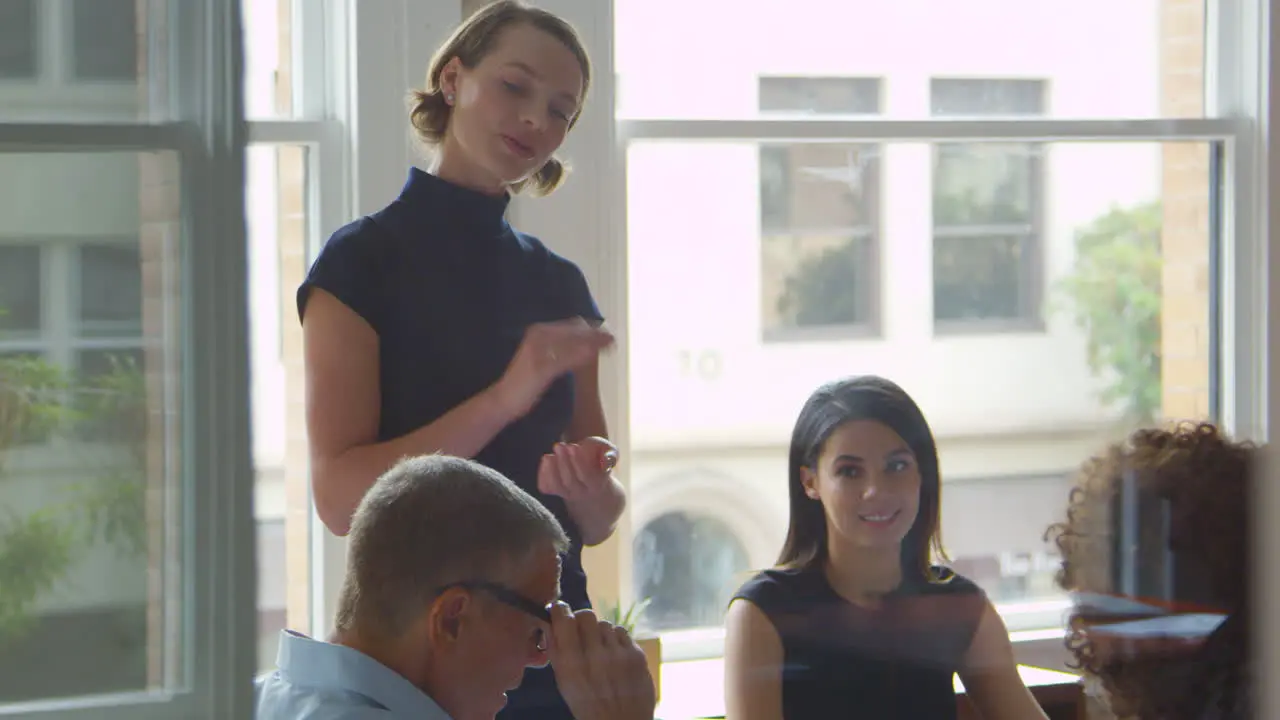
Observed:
{"x":1036,"y":299}
{"x":1143,"y":59}
{"x":91,"y":451}
{"x":270,"y":37}
{"x":81,"y":60}
{"x":276,"y":193}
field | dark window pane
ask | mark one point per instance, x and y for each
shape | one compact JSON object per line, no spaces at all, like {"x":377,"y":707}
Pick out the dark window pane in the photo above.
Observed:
{"x":110,"y":396}
{"x":818,"y":208}
{"x":110,"y":290}
{"x":978,"y":277}
{"x":811,"y":281}
{"x":105,"y":39}
{"x":981,"y":184}
{"x":687,"y":567}
{"x":821,"y":96}
{"x":987,"y":97}
{"x":19,"y":51}
{"x":20,"y":290}
{"x":818,"y":187}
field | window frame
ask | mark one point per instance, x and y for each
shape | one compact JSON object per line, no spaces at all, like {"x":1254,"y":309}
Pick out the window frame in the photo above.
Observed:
{"x":325,"y":110}
{"x":586,"y":220}
{"x":1031,"y":270}
{"x":215,"y":620}
{"x":54,"y":85}
{"x":1031,"y":273}
{"x":61,"y":339}
{"x":868,"y":234}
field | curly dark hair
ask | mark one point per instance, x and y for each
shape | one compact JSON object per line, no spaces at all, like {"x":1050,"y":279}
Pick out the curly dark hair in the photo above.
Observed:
{"x":1205,"y":479}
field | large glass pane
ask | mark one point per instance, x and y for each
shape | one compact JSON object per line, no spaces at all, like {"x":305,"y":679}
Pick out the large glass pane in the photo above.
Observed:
{"x":19,"y":49}
{"x":1143,"y":59}
{"x":90,"y":447}
{"x":72,"y":61}
{"x":1110,"y":271}
{"x":278,"y":179}
{"x":21,"y":289}
{"x":269,"y":43}
{"x":104,"y":40}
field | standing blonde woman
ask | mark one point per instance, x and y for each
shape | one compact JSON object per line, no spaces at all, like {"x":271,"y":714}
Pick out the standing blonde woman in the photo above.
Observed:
{"x":434,"y":326}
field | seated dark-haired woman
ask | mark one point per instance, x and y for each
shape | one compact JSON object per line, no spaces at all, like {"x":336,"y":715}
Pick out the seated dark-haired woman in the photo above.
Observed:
{"x":856,"y":621}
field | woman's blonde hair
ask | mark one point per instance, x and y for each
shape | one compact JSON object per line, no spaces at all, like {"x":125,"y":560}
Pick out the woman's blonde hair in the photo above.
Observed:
{"x":471,"y":42}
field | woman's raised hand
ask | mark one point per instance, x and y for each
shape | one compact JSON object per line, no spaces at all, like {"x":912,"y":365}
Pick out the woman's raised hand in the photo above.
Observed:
{"x":548,"y":351}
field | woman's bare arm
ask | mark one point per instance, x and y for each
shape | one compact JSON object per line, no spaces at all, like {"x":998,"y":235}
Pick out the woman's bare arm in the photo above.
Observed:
{"x":344,"y":406}
{"x":990,"y":674}
{"x":752,"y":664}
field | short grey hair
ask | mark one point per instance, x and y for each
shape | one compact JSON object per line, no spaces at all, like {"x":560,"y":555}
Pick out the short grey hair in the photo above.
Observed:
{"x":430,"y":521}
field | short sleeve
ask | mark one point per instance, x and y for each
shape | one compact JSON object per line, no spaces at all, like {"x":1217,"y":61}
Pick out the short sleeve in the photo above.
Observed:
{"x":349,"y":268}
{"x":767,"y":591}
{"x":577,"y":295}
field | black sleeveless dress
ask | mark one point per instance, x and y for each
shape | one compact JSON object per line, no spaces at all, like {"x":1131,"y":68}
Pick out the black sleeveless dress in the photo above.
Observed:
{"x":844,"y":662}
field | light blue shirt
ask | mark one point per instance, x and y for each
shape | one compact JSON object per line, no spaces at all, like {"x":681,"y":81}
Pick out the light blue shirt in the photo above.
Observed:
{"x":317,"y":680}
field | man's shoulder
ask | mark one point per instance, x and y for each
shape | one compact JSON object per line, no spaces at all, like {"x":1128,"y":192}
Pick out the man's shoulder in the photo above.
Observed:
{"x":275,"y":698}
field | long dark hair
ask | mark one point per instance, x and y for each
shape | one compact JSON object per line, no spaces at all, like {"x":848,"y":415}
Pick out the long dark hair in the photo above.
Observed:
{"x":866,"y":397}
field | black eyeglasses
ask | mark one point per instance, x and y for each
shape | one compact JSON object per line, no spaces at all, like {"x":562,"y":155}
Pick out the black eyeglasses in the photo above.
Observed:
{"x":506,"y":596}
{"x":513,"y":599}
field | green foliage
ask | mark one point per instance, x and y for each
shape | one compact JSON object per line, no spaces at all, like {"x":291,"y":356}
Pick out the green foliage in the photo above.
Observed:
{"x":1114,"y":295}
{"x":36,"y":551}
{"x":114,"y":503}
{"x":32,"y":399}
{"x":824,"y":289}
{"x":628,"y":618}
{"x":39,"y":399}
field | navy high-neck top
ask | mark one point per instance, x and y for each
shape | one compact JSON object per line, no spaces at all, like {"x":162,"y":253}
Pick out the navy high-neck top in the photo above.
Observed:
{"x":450,"y":288}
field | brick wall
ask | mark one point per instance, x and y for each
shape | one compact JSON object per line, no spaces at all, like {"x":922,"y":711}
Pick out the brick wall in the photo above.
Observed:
{"x":160,"y":213}
{"x":1185,"y":242}
{"x":292,"y":233}
{"x":291,"y":236}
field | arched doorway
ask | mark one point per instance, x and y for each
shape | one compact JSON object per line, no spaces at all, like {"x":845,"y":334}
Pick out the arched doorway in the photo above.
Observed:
{"x":688,"y":566}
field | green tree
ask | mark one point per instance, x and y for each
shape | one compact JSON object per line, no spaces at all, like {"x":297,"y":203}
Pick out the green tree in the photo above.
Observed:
{"x":1114,"y":294}
{"x":38,"y":549}
{"x":824,"y":289}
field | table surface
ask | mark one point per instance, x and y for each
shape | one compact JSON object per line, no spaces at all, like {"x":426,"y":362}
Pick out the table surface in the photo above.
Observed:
{"x":695,"y":688}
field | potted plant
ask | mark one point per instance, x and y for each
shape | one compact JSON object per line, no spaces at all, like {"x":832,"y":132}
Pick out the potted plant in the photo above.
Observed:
{"x":650,"y":643}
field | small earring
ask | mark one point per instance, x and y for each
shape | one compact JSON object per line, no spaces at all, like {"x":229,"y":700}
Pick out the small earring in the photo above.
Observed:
{"x":448,"y":99}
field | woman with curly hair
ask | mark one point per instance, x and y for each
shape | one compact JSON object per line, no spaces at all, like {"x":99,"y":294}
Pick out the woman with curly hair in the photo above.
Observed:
{"x":1199,"y":481}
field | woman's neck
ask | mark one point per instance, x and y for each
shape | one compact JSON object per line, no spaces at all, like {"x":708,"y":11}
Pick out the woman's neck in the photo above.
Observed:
{"x":862,"y":575}
{"x":450,"y":165}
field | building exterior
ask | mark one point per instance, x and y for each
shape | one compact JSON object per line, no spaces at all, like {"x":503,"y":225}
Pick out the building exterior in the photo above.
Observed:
{"x":933,"y":265}
{"x":758,"y":271}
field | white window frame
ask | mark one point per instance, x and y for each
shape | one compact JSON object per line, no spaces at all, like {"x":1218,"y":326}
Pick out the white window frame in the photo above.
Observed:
{"x":1234,"y":100}
{"x":215,"y":615}
{"x":586,"y":220}
{"x":593,"y":221}
{"x":322,"y":56}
